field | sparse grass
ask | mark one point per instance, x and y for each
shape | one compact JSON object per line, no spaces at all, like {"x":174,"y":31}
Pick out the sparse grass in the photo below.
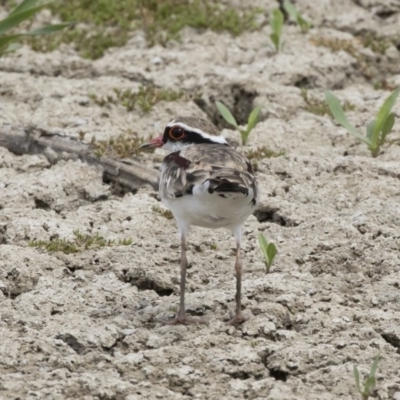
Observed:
{"x":320,"y":107}
{"x":105,"y":23}
{"x":336,"y":44}
{"x":383,"y":84}
{"x":368,"y":385}
{"x":262,"y":152}
{"x":124,"y":145}
{"x":230,"y":119}
{"x":79,"y":243}
{"x":376,"y":44}
{"x":377,"y":129}
{"x":212,"y":245}
{"x":145,"y":98}
{"x":164,"y":19}
{"x":163,"y":212}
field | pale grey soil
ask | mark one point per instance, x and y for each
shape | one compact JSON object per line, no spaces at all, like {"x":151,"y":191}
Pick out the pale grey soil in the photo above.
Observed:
{"x":84,"y":326}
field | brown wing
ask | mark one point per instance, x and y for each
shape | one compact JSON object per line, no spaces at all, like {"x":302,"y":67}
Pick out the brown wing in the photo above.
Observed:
{"x":226,"y":170}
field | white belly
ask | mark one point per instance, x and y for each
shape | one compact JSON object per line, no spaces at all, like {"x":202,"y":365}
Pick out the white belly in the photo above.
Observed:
{"x":211,"y":210}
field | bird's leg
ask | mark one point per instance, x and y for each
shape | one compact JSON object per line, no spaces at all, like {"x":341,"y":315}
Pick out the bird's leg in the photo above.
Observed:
{"x":184,"y":265}
{"x":239,"y":317}
{"x":181,"y":318}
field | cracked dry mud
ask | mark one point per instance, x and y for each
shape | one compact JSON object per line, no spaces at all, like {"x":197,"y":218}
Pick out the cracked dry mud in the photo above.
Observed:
{"x":83,"y":326}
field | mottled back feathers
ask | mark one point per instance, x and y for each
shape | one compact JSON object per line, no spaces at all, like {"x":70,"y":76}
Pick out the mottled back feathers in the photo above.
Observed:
{"x":223,"y":169}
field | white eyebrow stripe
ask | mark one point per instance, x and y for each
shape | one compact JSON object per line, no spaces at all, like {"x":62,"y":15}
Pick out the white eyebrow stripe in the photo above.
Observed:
{"x":216,"y":139}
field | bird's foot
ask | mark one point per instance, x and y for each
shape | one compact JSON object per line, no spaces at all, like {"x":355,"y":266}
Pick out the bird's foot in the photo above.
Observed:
{"x":238,"y":319}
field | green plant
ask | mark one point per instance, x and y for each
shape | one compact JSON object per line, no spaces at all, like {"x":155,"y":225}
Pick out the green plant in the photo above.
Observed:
{"x":146,"y":97}
{"x":320,"y":107}
{"x":269,"y":250}
{"x":230,"y":119}
{"x":79,"y":243}
{"x":25,"y":10}
{"x":263,"y":152}
{"x":375,"y":43}
{"x":276,"y":23}
{"x":377,"y":129}
{"x":164,"y":213}
{"x":295,"y":15}
{"x":124,"y":145}
{"x":369,"y":383}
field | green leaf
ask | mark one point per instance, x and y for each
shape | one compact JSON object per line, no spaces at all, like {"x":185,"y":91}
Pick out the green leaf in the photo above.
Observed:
{"x":271,"y":253}
{"x":263,"y":245}
{"x":369,"y":385}
{"x":15,"y":19}
{"x":23,"y":6}
{"x":370,"y":129}
{"x":304,"y":25}
{"x":357,"y":378}
{"x":296,"y":16}
{"x":9,"y":48}
{"x":269,"y":250}
{"x":275,"y":40}
{"x":5,"y":40}
{"x":374,"y":366}
{"x":253,"y":119}
{"x":277,"y":22}
{"x":387,"y":127}
{"x":383,"y":113}
{"x":340,"y":117}
{"x":290,"y":9}
{"x":226,"y":114}
{"x":45,"y":30}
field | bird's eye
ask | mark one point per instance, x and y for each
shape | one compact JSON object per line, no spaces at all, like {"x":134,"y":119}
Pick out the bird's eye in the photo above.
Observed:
{"x":176,"y":133}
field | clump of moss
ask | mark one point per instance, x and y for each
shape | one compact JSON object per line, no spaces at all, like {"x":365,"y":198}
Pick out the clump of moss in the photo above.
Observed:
{"x":375,"y":43}
{"x":320,"y":107}
{"x":163,"y":212}
{"x":79,"y":243}
{"x":105,"y":23}
{"x":336,"y":44}
{"x":260,"y":153}
{"x":125,"y":145}
{"x":146,"y":97}
{"x":263,"y":152}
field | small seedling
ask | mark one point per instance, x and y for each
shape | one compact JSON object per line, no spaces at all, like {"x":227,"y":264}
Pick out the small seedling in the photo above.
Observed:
{"x":296,"y":16}
{"x":125,"y":145}
{"x":377,"y":129}
{"x":369,"y":383}
{"x":25,"y":10}
{"x":276,"y":23}
{"x":262,"y":152}
{"x":230,"y":119}
{"x":79,"y":243}
{"x":163,"y":212}
{"x":269,"y":250}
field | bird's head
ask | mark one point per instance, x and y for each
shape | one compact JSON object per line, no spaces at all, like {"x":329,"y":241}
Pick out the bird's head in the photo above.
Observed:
{"x":186,"y":131}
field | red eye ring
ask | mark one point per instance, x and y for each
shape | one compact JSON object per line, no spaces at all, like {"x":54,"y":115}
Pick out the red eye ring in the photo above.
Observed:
{"x":176,"y":132}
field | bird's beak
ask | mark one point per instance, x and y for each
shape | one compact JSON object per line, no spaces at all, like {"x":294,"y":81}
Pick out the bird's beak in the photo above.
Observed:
{"x":153,"y":143}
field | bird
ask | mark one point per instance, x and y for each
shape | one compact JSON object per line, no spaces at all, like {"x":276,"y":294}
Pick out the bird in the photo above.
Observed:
{"x":204,"y":182}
